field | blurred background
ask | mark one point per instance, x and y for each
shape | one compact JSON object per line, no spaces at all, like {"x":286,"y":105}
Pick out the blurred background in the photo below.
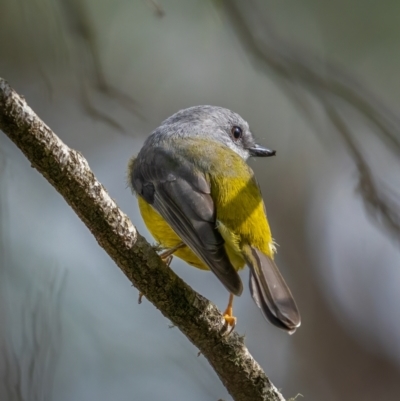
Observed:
{"x":317,"y":80}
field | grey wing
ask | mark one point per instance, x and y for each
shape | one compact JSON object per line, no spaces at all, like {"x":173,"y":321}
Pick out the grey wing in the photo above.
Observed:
{"x":182,"y":197}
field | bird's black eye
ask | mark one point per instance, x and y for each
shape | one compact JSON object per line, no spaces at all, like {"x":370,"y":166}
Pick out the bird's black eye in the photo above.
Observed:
{"x":236,"y":132}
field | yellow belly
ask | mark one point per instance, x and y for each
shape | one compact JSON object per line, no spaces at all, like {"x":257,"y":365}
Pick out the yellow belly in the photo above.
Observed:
{"x":167,"y":238}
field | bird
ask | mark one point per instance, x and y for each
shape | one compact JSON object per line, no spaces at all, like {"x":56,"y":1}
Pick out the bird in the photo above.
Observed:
{"x":201,"y":202}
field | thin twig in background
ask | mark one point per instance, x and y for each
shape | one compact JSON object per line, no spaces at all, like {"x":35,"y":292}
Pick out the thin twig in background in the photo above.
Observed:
{"x":159,"y":11}
{"x":374,"y":199}
{"x":87,"y":57}
{"x":326,"y":82}
{"x":29,"y":372}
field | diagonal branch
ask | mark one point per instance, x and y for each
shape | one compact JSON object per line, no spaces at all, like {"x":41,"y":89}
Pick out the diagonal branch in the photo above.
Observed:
{"x":195,"y":316}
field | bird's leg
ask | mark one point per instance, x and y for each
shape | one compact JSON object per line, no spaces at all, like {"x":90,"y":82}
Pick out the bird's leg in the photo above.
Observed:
{"x":166,"y":257}
{"x":228,"y":314}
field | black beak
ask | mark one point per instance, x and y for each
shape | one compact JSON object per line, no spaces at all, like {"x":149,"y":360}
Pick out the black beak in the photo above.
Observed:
{"x":259,"y":151}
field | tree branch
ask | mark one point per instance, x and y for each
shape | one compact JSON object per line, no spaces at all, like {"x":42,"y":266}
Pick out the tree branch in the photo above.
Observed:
{"x":195,"y":316}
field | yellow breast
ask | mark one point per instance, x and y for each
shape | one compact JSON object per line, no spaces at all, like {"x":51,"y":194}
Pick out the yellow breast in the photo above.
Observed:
{"x":240,"y":210}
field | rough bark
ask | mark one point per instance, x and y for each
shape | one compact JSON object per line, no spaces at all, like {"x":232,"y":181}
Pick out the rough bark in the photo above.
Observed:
{"x":69,"y":173}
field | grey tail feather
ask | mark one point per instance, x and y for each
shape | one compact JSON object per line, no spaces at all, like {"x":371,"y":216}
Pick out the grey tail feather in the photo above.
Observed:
{"x":270,"y":292}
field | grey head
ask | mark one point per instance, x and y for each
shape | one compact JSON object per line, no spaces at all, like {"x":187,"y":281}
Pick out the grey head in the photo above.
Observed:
{"x":215,"y":123}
